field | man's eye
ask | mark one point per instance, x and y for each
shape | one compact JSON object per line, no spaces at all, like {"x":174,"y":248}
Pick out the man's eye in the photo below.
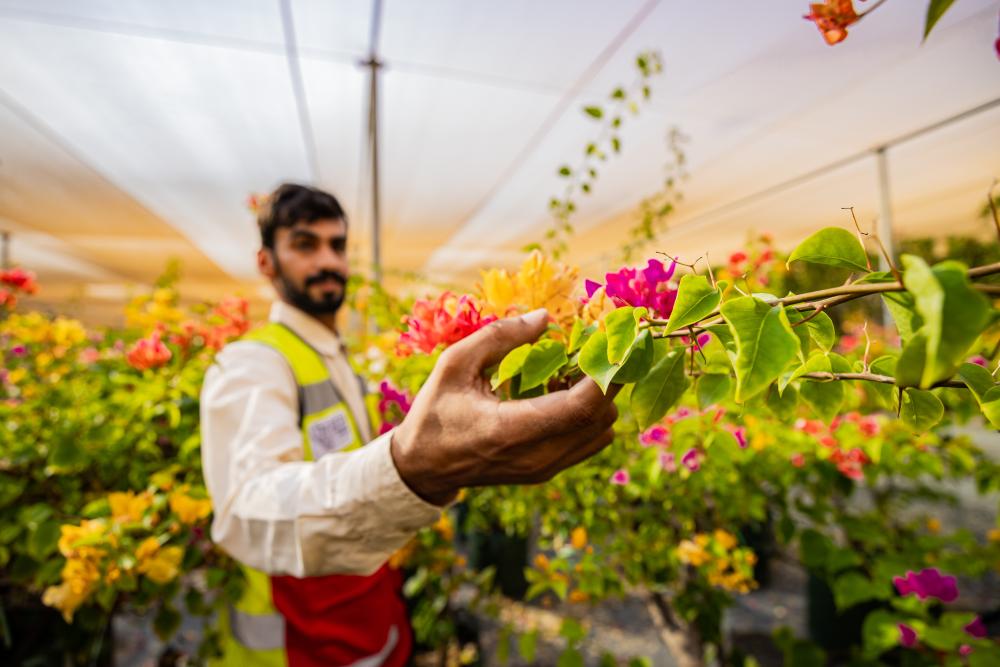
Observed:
{"x":304,"y":245}
{"x":339,"y":246}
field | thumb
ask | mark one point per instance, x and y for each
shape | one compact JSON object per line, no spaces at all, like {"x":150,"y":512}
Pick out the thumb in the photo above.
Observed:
{"x":490,"y":344}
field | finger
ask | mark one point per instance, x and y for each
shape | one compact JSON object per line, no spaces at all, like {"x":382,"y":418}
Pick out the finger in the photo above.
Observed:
{"x":556,"y":413}
{"x":490,"y":344}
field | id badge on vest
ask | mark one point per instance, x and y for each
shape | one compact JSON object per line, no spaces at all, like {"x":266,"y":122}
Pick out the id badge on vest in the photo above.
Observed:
{"x":331,"y":432}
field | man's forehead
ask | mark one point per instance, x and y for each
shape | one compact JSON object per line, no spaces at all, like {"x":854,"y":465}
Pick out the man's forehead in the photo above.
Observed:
{"x":325,"y":227}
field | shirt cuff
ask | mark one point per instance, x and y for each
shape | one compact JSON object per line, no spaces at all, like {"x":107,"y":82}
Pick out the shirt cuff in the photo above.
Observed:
{"x":403,"y":508}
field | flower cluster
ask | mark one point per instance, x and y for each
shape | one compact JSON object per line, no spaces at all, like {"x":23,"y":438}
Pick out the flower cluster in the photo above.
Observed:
{"x":147,"y":353}
{"x":651,"y":287}
{"x":393,"y":405}
{"x":930,"y":583}
{"x":440,"y":322}
{"x":718,"y":556}
{"x":833,"y":17}
{"x":539,"y":283}
{"x":849,"y":462}
{"x":14,"y":281}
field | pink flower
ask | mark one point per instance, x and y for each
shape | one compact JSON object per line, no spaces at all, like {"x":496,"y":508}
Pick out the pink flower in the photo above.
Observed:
{"x":979,"y":360}
{"x":649,"y":287}
{"x":442,"y":321}
{"x":907,"y":635}
{"x":148,"y":353}
{"x":19,"y":350}
{"x":655,"y":435}
{"x":668,"y":462}
{"x":682,"y":413}
{"x":699,"y":343}
{"x":976,"y":628}
{"x":964,"y":650}
{"x":929,"y":583}
{"x":798,"y":460}
{"x":868,"y":426}
{"x":620,"y":477}
{"x":740,"y":434}
{"x":692,"y":460}
{"x":90,"y":355}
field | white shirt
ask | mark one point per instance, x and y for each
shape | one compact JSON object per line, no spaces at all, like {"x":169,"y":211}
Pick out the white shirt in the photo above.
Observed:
{"x":345,"y":513}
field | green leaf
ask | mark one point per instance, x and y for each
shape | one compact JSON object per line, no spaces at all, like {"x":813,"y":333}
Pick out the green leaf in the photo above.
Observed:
{"x":954,"y":314}
{"x":764,"y":340}
{"x":911,"y":362}
{"x":565,"y":171}
{"x":782,"y":404}
{"x":545,"y":358}
{"x":921,"y":409}
{"x":813,"y":549}
{"x":166,"y":622}
{"x":712,"y":388}
{"x":511,"y":365}
{"x":527,"y":644}
{"x":832,"y":246}
{"x":570,"y":657}
{"x":852,"y":588}
{"x":886,"y":393}
{"x":935,"y":11}
{"x":986,"y":391}
{"x":67,"y":453}
{"x":594,"y":360}
{"x":821,"y":330}
{"x":594,"y":112}
{"x":825,"y":398}
{"x":656,"y":393}
{"x":696,"y":300}
{"x":579,"y":335}
{"x":638,"y":360}
{"x":11,"y":489}
{"x":794,"y":317}
{"x":571,"y":630}
{"x":42,"y":541}
{"x":616,"y":144}
{"x":880,"y":633}
{"x":903,"y":309}
{"x":621,"y":327}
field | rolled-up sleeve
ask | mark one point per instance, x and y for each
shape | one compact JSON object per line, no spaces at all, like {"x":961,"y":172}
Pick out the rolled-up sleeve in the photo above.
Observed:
{"x":345,"y":513}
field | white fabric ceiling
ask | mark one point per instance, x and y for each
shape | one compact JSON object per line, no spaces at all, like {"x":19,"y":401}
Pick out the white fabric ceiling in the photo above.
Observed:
{"x":132,"y":132}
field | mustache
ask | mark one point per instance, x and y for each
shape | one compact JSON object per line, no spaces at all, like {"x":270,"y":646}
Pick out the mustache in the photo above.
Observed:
{"x":336,"y":276}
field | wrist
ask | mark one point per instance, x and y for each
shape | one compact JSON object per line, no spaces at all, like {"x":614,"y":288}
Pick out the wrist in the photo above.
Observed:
{"x":418,"y":478}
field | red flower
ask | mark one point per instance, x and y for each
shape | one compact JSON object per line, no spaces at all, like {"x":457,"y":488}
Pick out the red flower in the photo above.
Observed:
{"x":442,"y":321}
{"x":851,"y":463}
{"x":798,"y":460}
{"x":19,"y":279}
{"x":832,"y":17}
{"x":148,"y":353}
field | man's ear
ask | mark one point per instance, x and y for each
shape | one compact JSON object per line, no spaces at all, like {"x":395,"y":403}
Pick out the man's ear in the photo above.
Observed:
{"x":266,"y":264}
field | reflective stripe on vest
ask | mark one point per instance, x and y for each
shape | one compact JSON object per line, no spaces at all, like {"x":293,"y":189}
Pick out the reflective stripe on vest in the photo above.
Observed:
{"x":325,"y":421}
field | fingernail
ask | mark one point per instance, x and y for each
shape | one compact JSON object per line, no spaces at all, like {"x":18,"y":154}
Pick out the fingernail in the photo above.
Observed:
{"x":536,"y":317}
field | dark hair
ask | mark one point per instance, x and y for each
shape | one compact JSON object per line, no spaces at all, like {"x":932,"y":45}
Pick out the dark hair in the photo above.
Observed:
{"x":291,"y":203}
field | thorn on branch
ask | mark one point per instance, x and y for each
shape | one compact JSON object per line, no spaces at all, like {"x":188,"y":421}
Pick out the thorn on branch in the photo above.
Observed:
{"x":711,"y":275}
{"x":888,"y":260}
{"x":868,"y":346}
{"x":677,"y":261}
{"x":861,"y":235}
{"x":816,"y":312}
{"x":993,"y":206}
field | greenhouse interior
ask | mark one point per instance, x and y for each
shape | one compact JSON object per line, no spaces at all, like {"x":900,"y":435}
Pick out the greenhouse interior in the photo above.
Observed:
{"x":558,"y":333}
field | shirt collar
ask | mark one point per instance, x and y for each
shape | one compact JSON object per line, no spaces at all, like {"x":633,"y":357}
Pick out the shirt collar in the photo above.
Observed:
{"x":311,"y":330}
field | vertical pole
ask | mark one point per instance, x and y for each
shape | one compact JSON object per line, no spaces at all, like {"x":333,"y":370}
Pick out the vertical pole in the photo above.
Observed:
{"x":374,"y":66}
{"x":5,"y":250}
{"x":885,"y":226}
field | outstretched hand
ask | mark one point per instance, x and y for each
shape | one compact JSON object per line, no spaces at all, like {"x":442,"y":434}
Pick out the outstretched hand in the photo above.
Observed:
{"x":459,"y":434}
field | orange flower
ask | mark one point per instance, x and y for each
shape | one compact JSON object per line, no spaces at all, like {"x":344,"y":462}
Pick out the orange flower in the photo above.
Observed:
{"x":578,"y":538}
{"x":128,"y":507}
{"x":442,"y":321}
{"x":148,"y":353}
{"x":832,"y":17}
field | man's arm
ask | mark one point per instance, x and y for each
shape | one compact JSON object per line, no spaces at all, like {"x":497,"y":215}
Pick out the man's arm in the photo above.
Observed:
{"x":343,"y":514}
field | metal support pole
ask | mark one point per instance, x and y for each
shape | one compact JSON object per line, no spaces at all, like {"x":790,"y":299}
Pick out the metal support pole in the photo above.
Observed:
{"x":4,"y":250}
{"x":374,"y":66}
{"x":884,"y":227}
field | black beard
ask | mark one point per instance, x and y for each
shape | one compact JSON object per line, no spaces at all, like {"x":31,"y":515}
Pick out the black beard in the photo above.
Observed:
{"x":300,"y":298}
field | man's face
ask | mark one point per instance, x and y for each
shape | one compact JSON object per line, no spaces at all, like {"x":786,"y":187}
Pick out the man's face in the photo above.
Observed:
{"x":308,"y":265}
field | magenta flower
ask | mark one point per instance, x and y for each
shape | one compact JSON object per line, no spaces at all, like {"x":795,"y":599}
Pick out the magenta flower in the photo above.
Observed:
{"x":392,"y":406}
{"x":668,"y":462}
{"x":19,"y":350}
{"x":964,"y":650}
{"x":700,"y":342}
{"x":620,"y":477}
{"x":976,"y":628}
{"x":692,"y":460}
{"x":907,"y":635}
{"x":979,"y":360}
{"x":928,"y":583}
{"x":654,"y":435}
{"x":740,"y":434}
{"x":649,"y":287}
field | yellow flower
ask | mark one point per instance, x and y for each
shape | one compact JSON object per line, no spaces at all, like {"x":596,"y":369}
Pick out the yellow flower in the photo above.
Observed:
{"x":403,"y":554}
{"x":578,"y":538}
{"x":16,"y":375}
{"x":725,"y":539}
{"x":161,"y":564}
{"x":539,"y":283}
{"x":597,"y":307}
{"x":128,"y":507}
{"x":692,"y":554}
{"x":443,"y":527}
{"x":993,"y":535}
{"x":92,"y":531}
{"x":933,"y":525}
{"x":66,"y":332}
{"x":189,"y":510}
{"x":65,"y":599}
